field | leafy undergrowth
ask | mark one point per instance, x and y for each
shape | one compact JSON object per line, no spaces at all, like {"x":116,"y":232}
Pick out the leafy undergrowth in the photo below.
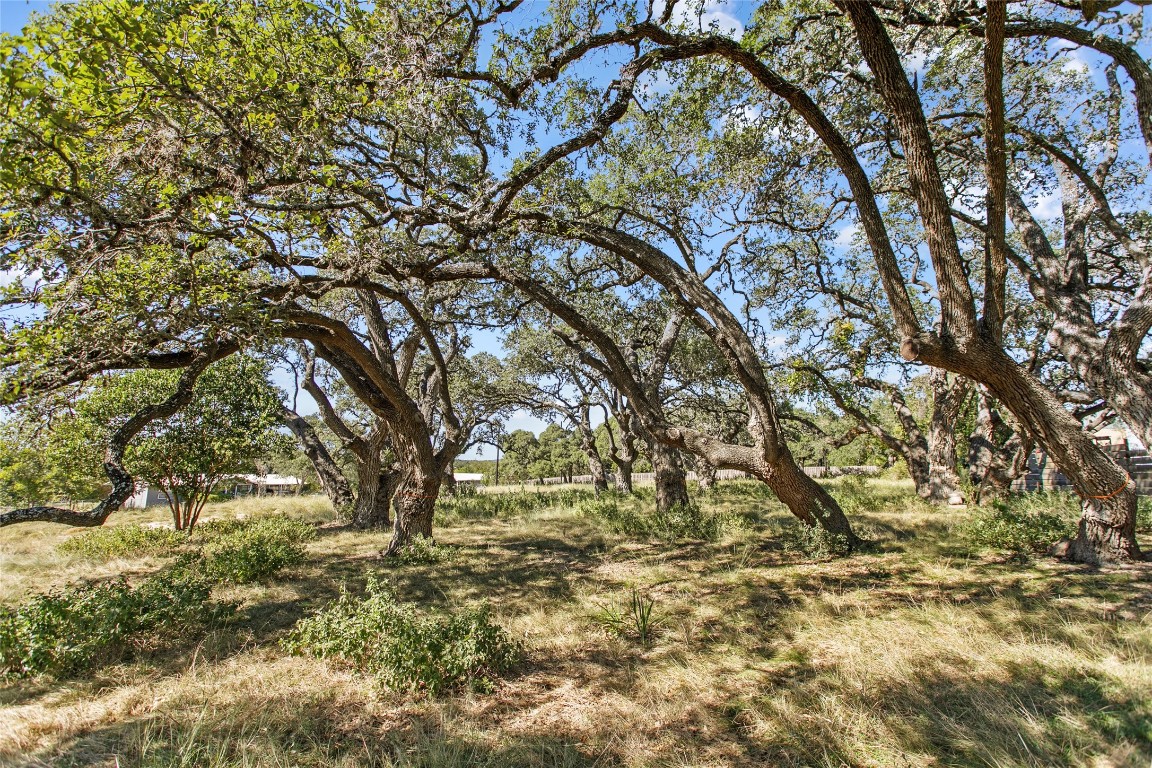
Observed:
{"x":743,"y":651}
{"x":403,"y":646}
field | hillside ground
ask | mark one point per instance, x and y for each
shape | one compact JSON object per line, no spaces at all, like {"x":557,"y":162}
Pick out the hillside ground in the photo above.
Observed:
{"x":921,"y":652}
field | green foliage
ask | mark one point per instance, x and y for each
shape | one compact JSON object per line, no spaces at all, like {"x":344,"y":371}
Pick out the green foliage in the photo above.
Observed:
{"x":422,"y":551}
{"x":230,"y":422}
{"x":1025,"y":524}
{"x":244,"y":551}
{"x":813,"y":542}
{"x":123,"y":541}
{"x":1144,"y":514}
{"x":404,"y":649}
{"x":36,"y":469}
{"x":636,"y":619}
{"x":631,"y":517}
{"x":82,"y":626}
{"x":484,"y":505}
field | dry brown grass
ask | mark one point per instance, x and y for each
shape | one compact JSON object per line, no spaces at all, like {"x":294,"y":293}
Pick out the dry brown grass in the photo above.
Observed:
{"x":916,"y":654}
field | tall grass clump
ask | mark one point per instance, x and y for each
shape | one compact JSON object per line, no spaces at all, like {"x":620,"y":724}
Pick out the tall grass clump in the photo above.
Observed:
{"x":631,"y":517}
{"x":123,"y":541}
{"x":244,"y":551}
{"x":1144,"y":514}
{"x":483,"y":506}
{"x":405,"y":649}
{"x":1025,"y":524}
{"x":812,"y":542}
{"x":83,"y":626}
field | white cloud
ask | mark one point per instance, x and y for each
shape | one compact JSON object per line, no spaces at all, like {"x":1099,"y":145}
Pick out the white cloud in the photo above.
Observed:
{"x":1047,"y":206}
{"x":847,"y":235}
{"x":704,"y":15}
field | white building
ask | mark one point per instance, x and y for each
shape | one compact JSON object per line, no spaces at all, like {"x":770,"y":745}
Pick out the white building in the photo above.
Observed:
{"x":265,"y":485}
{"x":468,"y":478}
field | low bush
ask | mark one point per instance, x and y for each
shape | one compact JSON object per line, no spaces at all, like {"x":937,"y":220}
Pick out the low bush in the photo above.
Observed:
{"x":1025,"y":524}
{"x":422,"y":551}
{"x":244,"y":551}
{"x":813,"y":542}
{"x":123,"y":541}
{"x":1144,"y":514}
{"x":81,"y":626}
{"x":630,"y":517}
{"x":405,"y":649}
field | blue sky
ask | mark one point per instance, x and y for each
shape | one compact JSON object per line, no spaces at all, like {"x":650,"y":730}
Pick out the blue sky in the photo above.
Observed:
{"x":13,"y":13}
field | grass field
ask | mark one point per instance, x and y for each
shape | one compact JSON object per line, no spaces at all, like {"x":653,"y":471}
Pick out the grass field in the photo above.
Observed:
{"x":918,"y":653}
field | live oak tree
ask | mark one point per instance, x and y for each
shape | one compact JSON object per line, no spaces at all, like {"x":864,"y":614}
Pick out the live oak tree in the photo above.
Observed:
{"x":228,"y":147}
{"x":968,"y":338}
{"x":228,"y":424}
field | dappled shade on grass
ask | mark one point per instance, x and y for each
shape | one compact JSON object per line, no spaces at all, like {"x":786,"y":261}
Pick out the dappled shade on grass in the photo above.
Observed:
{"x":919,"y":652}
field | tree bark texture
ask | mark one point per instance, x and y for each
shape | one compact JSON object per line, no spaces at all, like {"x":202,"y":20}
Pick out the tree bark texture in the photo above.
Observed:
{"x":336,"y":486}
{"x":948,"y":396}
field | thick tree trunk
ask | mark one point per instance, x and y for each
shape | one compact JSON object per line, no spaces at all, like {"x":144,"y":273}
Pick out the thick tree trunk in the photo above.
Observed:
{"x":415,"y":503}
{"x":596,"y":469}
{"x":332,"y":480}
{"x":377,"y":484}
{"x":915,"y":454}
{"x":1107,"y":531}
{"x":705,"y":474}
{"x":947,"y":398}
{"x":671,"y":480}
{"x":808,"y":500}
{"x":623,"y":474}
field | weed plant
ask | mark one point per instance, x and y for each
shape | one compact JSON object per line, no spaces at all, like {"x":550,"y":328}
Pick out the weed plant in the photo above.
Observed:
{"x":405,"y":649}
{"x":424,"y":551}
{"x":81,"y":626}
{"x":636,"y":619}
{"x":1024,"y":524}
{"x":812,"y":542}
{"x":123,"y":541}
{"x":245,"y":551}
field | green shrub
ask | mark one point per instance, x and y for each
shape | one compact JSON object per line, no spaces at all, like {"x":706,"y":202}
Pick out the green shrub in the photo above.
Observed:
{"x":1025,"y":524}
{"x":244,"y":551}
{"x":421,"y":551}
{"x":628,"y":516}
{"x":123,"y":541}
{"x":1144,"y":514}
{"x":81,"y":626}
{"x":813,"y":542}
{"x":405,"y":650}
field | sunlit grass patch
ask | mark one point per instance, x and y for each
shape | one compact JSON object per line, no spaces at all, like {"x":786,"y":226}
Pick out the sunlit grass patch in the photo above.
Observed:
{"x":917,"y":652}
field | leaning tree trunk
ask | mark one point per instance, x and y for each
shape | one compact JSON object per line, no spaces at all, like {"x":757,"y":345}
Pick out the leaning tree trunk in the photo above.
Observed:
{"x":947,"y":399}
{"x":807,"y":499}
{"x":332,"y":479}
{"x":1107,"y":530}
{"x":671,"y":481}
